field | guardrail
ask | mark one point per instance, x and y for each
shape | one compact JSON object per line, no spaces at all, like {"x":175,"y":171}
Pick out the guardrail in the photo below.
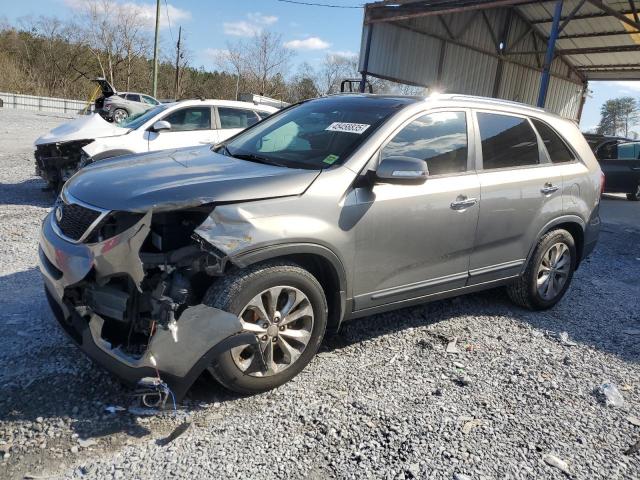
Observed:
{"x":42,"y":104}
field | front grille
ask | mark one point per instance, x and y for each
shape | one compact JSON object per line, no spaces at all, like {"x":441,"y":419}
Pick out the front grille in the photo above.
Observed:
{"x":74,"y":220}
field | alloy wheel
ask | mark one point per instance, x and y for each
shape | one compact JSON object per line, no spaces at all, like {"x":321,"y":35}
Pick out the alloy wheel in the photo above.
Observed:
{"x":554,"y":270}
{"x":282,"y":319}
{"x":119,"y":115}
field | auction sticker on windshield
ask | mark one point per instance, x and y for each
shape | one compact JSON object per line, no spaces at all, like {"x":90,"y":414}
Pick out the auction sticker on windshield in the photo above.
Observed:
{"x":358,"y":128}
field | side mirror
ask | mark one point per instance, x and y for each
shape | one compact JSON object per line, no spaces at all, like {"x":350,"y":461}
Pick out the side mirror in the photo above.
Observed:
{"x":402,"y":171}
{"x":161,"y":126}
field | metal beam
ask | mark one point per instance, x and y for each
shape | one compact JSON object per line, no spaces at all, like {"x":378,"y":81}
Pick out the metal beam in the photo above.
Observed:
{"x":609,"y":66}
{"x":365,"y":63}
{"x":595,"y":35}
{"x":522,"y":36}
{"x":615,"y":13}
{"x":585,"y":50}
{"x":445,"y":26}
{"x":571,"y":15}
{"x":551,"y":46}
{"x":376,"y":14}
{"x":585,"y":16}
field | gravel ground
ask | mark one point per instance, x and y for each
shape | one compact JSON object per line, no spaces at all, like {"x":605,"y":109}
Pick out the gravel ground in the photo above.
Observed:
{"x":383,"y":399}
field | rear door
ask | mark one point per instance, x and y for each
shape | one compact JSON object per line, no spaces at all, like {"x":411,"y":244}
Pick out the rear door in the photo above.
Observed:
{"x":233,"y":120}
{"x":622,"y":174}
{"x":520,"y":191}
{"x":190,"y":126}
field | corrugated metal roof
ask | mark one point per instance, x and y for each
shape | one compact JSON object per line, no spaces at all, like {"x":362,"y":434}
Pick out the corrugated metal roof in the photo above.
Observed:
{"x":408,"y":38}
{"x":590,"y":28}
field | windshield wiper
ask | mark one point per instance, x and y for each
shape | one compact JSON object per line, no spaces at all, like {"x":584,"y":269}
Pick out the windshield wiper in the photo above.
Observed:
{"x":255,"y":158}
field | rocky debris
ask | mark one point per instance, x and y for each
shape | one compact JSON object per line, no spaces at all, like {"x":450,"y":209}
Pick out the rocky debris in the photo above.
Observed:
{"x":452,"y":346}
{"x":556,"y":462}
{"x":352,"y":414}
{"x":610,"y":395}
{"x":634,"y":420}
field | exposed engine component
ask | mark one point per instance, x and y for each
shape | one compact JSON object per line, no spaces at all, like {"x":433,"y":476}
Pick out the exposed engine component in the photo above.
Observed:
{"x":57,"y":162}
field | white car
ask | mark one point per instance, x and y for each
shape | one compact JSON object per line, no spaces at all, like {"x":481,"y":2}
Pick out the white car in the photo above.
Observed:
{"x":65,"y":149}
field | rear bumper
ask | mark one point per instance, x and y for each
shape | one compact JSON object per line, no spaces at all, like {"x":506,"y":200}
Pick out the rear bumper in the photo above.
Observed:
{"x":203,"y":332}
{"x":591,"y":233}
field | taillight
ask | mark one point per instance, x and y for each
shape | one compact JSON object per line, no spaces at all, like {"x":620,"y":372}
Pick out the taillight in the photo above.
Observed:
{"x":601,"y":182}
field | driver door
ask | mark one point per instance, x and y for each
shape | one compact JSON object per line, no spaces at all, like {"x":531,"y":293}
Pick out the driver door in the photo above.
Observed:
{"x":190,"y":126}
{"x":416,"y":240}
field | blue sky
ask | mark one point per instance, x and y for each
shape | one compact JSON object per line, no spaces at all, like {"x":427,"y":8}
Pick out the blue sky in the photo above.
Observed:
{"x":311,"y":32}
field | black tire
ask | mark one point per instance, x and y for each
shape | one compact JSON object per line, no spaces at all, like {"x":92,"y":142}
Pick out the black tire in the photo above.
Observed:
{"x":234,"y":291}
{"x":524,"y":291}
{"x":634,"y":197}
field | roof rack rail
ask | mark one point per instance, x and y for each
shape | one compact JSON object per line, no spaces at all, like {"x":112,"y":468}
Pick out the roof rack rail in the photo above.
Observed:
{"x":495,"y":101}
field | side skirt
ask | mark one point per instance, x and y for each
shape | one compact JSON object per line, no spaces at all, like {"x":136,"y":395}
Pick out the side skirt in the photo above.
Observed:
{"x":431,"y":297}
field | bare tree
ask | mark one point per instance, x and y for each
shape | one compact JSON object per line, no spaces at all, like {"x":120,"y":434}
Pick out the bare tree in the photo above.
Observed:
{"x":266,"y":60}
{"x":131,"y":37}
{"x":233,"y":60}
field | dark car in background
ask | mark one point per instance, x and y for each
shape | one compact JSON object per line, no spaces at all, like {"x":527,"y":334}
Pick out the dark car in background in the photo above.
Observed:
{"x":619,"y":159}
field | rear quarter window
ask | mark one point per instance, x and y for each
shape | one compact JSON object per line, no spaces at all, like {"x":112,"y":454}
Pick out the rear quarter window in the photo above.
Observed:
{"x":556,"y":147}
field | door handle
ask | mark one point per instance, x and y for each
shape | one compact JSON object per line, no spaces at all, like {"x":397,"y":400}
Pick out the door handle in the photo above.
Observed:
{"x":549,"y":188}
{"x":462,"y":202}
{"x":635,"y":169}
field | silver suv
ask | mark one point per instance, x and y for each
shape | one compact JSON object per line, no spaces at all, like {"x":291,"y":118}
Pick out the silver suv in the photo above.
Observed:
{"x":238,"y":258}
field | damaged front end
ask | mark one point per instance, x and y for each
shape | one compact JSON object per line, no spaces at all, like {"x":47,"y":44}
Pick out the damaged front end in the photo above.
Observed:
{"x":128,"y":287}
{"x":57,"y":162}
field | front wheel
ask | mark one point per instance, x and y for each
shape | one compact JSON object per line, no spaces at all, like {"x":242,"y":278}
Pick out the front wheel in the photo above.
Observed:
{"x":285,"y":307}
{"x":634,"y":197}
{"x":548,"y":273}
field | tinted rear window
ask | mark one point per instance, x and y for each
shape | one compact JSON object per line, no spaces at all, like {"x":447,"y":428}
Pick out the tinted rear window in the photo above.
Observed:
{"x":507,"y":142}
{"x":557,"y":149}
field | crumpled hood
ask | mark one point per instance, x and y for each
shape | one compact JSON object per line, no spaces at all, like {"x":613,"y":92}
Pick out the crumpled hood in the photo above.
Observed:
{"x":85,"y":127}
{"x":173,"y":179}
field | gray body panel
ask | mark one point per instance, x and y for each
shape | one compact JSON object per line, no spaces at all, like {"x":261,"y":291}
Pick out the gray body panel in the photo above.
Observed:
{"x":389,"y":245}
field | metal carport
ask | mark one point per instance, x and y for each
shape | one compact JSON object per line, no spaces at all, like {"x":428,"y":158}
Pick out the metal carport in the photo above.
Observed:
{"x":537,"y":52}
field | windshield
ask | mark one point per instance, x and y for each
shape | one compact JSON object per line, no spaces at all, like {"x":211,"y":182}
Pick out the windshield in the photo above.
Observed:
{"x":315,"y":134}
{"x":135,"y":121}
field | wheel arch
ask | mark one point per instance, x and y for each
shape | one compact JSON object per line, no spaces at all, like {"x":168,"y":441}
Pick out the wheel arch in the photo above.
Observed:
{"x":571,"y":223}
{"x":320,"y":261}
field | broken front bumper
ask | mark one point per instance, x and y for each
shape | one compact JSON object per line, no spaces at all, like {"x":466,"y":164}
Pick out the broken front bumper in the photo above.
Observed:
{"x":203,"y":332}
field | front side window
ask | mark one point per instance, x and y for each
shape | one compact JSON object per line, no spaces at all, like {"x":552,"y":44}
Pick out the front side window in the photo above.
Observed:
{"x":189,"y":119}
{"x":557,"y":149}
{"x":507,"y":142}
{"x":315,"y":134}
{"x":236,"y":117}
{"x":262,"y":115}
{"x":139,"y":119}
{"x":440,"y":139}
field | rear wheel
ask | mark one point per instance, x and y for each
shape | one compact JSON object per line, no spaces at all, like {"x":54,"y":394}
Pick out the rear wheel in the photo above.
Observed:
{"x":548,"y":274}
{"x":119,"y":115}
{"x":285,"y":307}
{"x":634,"y":197}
